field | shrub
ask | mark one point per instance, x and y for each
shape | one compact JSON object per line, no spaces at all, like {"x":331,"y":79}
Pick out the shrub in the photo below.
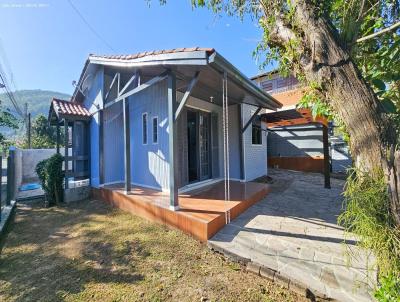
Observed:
{"x":389,"y":290}
{"x":367,"y":214}
{"x":51,"y":176}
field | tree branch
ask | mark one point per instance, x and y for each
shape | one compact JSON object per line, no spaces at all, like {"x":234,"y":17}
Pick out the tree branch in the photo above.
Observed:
{"x":385,"y":30}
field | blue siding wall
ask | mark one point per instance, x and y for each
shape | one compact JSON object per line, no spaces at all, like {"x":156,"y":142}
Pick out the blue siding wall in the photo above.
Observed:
{"x":149,"y":163}
{"x":94,"y":97}
{"x":113,"y":144}
{"x":255,"y":156}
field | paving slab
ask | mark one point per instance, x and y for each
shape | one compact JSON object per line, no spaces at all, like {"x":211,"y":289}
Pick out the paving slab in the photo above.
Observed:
{"x":293,"y":231}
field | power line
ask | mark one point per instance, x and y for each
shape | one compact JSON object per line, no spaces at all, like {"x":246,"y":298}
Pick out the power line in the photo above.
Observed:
{"x":7,"y":67}
{"x":92,"y":29}
{"x":10,"y":93}
{"x":5,"y":83}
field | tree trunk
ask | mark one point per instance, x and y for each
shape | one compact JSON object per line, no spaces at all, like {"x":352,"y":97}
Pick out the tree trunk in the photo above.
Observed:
{"x":327,"y":63}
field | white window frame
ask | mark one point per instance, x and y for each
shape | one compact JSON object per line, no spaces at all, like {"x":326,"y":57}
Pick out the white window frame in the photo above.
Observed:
{"x":147,"y":128}
{"x":152,"y":129}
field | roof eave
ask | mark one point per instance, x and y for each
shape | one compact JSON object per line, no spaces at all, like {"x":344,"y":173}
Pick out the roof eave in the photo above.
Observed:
{"x":198,"y":57}
{"x":221,"y":64}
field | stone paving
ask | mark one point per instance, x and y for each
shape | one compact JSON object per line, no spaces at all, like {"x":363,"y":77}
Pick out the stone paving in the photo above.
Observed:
{"x":294,"y":232}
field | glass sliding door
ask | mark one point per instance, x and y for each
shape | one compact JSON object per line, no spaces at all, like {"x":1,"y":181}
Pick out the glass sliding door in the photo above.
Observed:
{"x":204,"y":145}
{"x":192,"y":139}
{"x":199,"y":143}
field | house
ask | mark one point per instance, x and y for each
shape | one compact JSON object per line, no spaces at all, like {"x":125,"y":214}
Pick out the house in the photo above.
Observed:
{"x":163,"y":125}
{"x":299,"y":144}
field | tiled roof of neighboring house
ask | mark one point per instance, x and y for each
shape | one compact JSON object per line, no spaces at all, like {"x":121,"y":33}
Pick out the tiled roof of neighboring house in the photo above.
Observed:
{"x":288,"y":98}
{"x":265,"y":74}
{"x":153,"y":52}
{"x":64,"y":107}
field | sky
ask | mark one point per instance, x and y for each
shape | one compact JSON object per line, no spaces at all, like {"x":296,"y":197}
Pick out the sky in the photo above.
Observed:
{"x":46,"y":42}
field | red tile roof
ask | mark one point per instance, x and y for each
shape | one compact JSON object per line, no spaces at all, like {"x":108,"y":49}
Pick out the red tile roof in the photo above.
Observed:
{"x":153,"y":52}
{"x":68,"y":108}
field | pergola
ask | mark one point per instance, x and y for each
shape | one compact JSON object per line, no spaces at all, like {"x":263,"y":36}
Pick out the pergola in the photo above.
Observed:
{"x":297,"y":117}
{"x":74,"y":116}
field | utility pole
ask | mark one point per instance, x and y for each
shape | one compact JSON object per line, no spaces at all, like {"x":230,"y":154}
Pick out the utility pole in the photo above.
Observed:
{"x":29,"y":130}
{"x":28,"y":125}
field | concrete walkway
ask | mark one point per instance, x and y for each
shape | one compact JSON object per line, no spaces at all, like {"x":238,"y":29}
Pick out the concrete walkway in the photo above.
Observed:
{"x":294,"y":232}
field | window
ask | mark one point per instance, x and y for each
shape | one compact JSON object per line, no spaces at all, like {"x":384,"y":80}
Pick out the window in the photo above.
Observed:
{"x":155,"y":130}
{"x":266,"y":85}
{"x":144,"y":128}
{"x":256,"y":135}
{"x":256,"y":131}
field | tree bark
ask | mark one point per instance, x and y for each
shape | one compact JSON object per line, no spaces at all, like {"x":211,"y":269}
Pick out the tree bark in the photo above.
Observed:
{"x":326,"y":62}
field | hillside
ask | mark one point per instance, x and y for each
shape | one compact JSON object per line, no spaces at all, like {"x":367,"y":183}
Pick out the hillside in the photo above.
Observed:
{"x":38,"y":100}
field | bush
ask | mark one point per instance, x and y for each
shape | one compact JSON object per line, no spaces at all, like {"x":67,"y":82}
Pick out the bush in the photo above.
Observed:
{"x":389,"y":290}
{"x":51,"y":176}
{"x":367,"y":214}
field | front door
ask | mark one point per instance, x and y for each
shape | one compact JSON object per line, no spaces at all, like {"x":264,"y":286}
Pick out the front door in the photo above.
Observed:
{"x":198,"y":132}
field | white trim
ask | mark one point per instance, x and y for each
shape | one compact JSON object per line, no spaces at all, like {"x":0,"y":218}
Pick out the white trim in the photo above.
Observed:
{"x":150,"y":187}
{"x":152,"y":130}
{"x":198,"y":108}
{"x":134,"y":184}
{"x":174,"y":208}
{"x":198,"y":57}
{"x":147,"y":128}
{"x":112,"y":183}
{"x":184,"y":189}
{"x":198,"y":184}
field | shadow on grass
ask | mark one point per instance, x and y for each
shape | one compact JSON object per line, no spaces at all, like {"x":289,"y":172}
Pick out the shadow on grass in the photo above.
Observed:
{"x":36,"y":264}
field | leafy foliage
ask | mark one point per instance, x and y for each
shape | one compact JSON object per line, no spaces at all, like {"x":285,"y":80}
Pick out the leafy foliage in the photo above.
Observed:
{"x":7,"y":120}
{"x":389,"y":289}
{"x":377,"y":58}
{"x":43,"y":135}
{"x":367,"y":214}
{"x":285,"y":41}
{"x":51,"y":177}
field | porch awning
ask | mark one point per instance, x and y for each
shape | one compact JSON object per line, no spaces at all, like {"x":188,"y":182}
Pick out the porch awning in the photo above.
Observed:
{"x":63,"y":109}
{"x":292,"y":117}
{"x":185,"y":63}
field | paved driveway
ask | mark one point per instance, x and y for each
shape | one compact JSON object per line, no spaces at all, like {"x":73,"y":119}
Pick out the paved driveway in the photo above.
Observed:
{"x":294,"y":232}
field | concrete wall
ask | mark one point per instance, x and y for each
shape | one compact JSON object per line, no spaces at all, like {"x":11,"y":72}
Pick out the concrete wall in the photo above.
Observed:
{"x":25,"y":164}
{"x":26,"y":161}
{"x":30,"y":158}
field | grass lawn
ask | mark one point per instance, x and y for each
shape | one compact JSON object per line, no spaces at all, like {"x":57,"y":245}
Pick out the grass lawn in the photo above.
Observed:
{"x":90,"y":252}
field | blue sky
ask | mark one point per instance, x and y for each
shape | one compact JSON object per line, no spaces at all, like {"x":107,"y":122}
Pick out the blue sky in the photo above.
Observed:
{"x":47,"y":43}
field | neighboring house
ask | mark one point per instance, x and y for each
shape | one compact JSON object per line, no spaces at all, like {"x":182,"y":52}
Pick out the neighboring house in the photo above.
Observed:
{"x":155,"y":120}
{"x":300,"y":146}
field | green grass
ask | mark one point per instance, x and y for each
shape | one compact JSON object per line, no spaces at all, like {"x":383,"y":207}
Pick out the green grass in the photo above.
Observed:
{"x":91,"y":252}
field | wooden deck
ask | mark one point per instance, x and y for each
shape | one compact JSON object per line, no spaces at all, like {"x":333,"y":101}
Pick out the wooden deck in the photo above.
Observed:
{"x":202,"y":211}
